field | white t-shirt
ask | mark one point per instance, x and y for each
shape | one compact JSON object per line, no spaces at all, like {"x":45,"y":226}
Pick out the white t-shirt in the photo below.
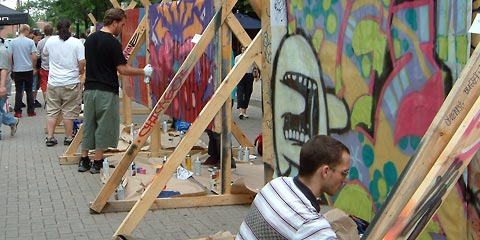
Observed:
{"x":63,"y":58}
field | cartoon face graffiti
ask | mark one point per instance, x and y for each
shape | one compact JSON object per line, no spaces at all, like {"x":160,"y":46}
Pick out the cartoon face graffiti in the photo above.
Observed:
{"x":300,"y":102}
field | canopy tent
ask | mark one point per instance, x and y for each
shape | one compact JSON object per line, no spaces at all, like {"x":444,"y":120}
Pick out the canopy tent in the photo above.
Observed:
{"x":11,"y":17}
{"x":248,"y":22}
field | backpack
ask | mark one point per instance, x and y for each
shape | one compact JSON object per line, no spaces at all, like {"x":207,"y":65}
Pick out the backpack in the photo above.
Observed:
{"x":258,"y":144}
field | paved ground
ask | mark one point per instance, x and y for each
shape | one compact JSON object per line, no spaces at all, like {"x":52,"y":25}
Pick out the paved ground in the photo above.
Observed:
{"x":40,"y":199}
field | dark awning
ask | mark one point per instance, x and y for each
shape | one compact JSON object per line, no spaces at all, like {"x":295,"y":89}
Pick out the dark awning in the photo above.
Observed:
{"x":11,"y":17}
{"x":248,"y":22}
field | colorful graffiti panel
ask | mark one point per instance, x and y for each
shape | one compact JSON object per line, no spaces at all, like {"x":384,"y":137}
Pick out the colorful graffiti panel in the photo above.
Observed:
{"x":372,"y":74}
{"x":172,"y":27}
{"x":134,"y":86}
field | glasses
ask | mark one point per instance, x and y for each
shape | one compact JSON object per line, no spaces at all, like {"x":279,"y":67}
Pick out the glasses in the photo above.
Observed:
{"x":344,"y":172}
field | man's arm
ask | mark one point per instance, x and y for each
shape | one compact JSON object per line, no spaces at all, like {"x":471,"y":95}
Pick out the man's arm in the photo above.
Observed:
{"x":3,"y":82}
{"x":128,"y":70}
{"x":34,"y":62}
{"x":81,"y":67}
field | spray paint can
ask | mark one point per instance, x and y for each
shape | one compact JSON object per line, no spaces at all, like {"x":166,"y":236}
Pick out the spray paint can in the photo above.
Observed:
{"x":133,"y":169}
{"x":212,"y":180}
{"x":164,"y":126}
{"x":106,"y":168}
{"x":197,"y":167}
{"x":120,"y":192}
{"x":188,"y":162}
{"x":240,"y":153}
{"x":246,"y":154}
{"x":132,"y":130}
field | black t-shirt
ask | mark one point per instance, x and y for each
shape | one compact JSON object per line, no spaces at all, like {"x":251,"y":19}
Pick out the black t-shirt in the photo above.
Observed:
{"x":103,"y":54}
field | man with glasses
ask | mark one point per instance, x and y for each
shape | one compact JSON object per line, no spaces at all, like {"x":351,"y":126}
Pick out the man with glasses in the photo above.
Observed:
{"x":287,"y":207}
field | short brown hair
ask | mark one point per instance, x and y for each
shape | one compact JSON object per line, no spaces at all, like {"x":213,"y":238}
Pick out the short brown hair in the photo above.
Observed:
{"x":320,"y":150}
{"x":48,"y":30}
{"x":113,"y":14}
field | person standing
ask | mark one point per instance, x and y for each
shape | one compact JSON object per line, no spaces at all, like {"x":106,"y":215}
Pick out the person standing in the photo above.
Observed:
{"x":244,"y":89}
{"x":5,"y":89}
{"x":101,"y":119}
{"x":23,"y":55}
{"x":66,"y":56}
{"x":287,"y":208}
{"x":43,"y":71}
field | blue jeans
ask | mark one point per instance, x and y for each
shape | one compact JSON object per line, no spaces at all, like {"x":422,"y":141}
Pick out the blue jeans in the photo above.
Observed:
{"x":5,"y":118}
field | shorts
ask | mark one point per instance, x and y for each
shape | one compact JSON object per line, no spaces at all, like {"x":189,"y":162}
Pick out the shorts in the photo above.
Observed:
{"x":101,"y":120}
{"x":43,"y":79}
{"x":64,"y":99}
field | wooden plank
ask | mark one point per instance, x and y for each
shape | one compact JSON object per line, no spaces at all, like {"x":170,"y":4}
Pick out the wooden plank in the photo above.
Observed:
{"x":460,"y":99}
{"x":225,"y":56}
{"x":139,"y":111}
{"x":266,"y":70}
{"x":194,"y":133}
{"x":92,"y":18}
{"x":131,"y":5}
{"x":240,"y":136}
{"x":241,"y":34}
{"x":440,"y":180}
{"x":160,"y":107}
{"x":183,"y":202}
{"x":75,"y":143}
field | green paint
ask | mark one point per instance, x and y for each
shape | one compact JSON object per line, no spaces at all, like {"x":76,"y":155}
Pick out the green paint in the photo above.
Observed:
{"x":331,"y":23}
{"x":353,"y":199}
{"x":317,"y":39}
{"x":338,"y":79}
{"x":354,"y":174}
{"x":411,"y":18}
{"x":362,"y":111}
{"x":461,"y":49}
{"x":442,"y":47}
{"x":310,"y":22}
{"x":368,"y":39}
{"x":326,"y":4}
{"x":397,"y":46}
{"x":366,"y":66}
{"x":386,"y":3}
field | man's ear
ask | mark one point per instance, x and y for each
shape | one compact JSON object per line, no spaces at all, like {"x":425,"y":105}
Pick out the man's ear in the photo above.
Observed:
{"x":323,"y":171}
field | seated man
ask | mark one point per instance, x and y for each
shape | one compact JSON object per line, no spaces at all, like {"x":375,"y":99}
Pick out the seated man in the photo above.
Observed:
{"x":287,"y":208}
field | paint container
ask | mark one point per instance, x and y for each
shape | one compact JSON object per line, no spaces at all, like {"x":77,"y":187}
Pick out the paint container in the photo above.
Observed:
{"x":246,"y":154}
{"x":188,"y":162}
{"x":139,"y":170}
{"x":133,"y":170}
{"x":240,"y":153}
{"x":164,"y":126}
{"x":106,"y":168}
{"x":197,"y":167}
{"x":120,"y":192}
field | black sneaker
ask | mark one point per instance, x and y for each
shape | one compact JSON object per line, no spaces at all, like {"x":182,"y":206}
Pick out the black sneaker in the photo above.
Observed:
{"x":84,"y":164}
{"x":37,"y":104}
{"x":96,"y":166}
{"x":50,"y":142}
{"x":67,"y":141}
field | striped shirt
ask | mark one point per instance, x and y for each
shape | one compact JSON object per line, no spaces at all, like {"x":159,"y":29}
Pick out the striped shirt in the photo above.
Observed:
{"x":283,"y":209}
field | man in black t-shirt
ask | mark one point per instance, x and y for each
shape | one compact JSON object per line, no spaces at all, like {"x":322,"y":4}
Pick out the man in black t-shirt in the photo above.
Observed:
{"x":104,"y":56}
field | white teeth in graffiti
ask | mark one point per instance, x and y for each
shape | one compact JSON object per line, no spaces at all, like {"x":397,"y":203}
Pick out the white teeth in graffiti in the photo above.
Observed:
{"x":307,"y":138}
{"x":302,"y":137}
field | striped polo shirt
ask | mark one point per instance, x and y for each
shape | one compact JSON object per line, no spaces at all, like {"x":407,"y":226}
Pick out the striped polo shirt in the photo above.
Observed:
{"x":285,"y":209}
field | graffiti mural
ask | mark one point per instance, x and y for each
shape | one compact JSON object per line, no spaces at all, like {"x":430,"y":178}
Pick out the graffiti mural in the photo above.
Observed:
{"x":372,"y":74}
{"x":134,"y":86}
{"x":172,"y":26}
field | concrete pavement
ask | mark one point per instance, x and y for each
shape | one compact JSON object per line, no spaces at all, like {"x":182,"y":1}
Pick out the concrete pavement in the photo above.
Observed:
{"x":40,"y":199}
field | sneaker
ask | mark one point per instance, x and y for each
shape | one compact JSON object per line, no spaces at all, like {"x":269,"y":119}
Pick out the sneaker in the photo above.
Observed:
{"x":37,"y":104}
{"x":84,"y":164}
{"x":240,"y":116}
{"x":50,"y":142}
{"x":245,"y":115}
{"x":33,"y":114}
{"x":96,"y":166}
{"x":13,"y":128}
{"x":67,"y":141}
{"x":18,"y":115}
